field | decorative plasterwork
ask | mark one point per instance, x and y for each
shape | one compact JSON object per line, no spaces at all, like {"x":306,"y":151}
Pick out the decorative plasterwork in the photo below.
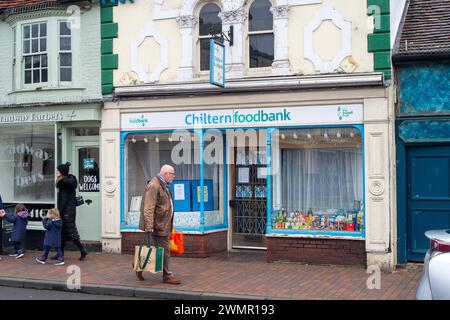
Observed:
{"x":280,"y":12}
{"x":328,"y":13}
{"x":237,"y":16}
{"x":186,"y":21}
{"x":12,"y":19}
{"x":150,"y":31}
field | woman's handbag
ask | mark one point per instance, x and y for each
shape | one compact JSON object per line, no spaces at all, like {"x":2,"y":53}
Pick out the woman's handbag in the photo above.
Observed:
{"x":176,"y":242}
{"x":78,"y":199}
{"x":147,"y":257}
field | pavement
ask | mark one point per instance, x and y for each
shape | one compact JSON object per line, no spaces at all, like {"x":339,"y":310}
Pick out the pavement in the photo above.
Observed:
{"x":235,"y":275}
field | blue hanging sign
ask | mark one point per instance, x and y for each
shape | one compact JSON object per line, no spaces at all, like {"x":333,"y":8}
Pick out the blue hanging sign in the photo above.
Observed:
{"x":217,"y":63}
{"x":88,"y":163}
{"x":114,"y":1}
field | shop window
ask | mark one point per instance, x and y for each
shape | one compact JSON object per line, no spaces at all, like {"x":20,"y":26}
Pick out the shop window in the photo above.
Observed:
{"x":209,"y":24}
{"x":27,"y":163}
{"x":146,"y":153}
{"x":260,"y":34}
{"x":318,"y":180}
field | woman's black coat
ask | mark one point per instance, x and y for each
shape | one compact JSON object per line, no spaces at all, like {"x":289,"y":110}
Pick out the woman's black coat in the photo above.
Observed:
{"x":66,"y":206}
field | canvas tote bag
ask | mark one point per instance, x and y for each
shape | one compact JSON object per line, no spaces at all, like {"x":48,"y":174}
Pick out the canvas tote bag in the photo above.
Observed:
{"x":147,"y":257}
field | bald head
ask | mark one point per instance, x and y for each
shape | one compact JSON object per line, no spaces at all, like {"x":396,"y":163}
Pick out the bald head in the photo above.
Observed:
{"x":167,"y":172}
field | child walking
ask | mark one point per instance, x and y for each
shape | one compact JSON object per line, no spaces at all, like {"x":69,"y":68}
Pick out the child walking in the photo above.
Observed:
{"x":20,"y":221}
{"x":53,"y":225}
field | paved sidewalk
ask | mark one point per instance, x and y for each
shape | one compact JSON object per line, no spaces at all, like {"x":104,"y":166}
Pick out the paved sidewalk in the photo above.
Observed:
{"x":229,"y":275}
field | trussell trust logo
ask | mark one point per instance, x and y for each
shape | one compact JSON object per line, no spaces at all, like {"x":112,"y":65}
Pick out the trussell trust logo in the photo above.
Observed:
{"x":141,"y":121}
{"x":343,"y":113}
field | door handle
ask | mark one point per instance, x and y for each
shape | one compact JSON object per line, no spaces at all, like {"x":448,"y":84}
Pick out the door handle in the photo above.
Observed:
{"x":409,"y":191}
{"x":88,"y":201}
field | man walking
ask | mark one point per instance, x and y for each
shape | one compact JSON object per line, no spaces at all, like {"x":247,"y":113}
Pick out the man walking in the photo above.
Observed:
{"x":157,"y":217}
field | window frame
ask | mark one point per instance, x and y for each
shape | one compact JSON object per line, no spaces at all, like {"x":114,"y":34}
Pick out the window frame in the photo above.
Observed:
{"x":39,"y":53}
{"x":52,"y":36}
{"x":256,"y":33}
{"x":59,"y":36}
{"x":199,"y":38}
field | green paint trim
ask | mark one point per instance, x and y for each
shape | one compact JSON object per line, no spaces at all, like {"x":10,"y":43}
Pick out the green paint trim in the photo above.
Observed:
{"x":110,"y":30}
{"x":382,"y":60}
{"x":385,"y":24}
{"x":383,"y":5}
{"x":107,"y":46}
{"x":107,"y":77}
{"x":379,"y":42}
{"x":110,"y":61}
{"x":107,"y":14}
{"x":107,"y":89}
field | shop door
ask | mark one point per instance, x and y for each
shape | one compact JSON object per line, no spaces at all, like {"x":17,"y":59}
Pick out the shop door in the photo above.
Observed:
{"x":428,"y":196}
{"x":249,"y":200}
{"x":86,"y":169}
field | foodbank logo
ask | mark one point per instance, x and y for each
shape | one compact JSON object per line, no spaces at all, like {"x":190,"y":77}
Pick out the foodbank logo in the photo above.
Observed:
{"x":343,"y":113}
{"x":141,"y":121}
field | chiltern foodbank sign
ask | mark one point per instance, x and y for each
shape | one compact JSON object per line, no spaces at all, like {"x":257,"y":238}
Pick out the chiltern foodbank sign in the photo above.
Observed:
{"x":236,"y":118}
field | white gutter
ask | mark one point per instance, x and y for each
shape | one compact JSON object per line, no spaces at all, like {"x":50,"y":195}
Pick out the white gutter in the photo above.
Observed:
{"x":255,"y":84}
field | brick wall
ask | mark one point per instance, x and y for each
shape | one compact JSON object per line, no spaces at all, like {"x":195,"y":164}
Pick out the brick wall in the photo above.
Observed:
{"x":197,"y":246}
{"x":316,"y":251}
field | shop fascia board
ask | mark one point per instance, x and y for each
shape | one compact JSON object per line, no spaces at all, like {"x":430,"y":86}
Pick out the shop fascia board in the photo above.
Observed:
{"x":255,"y":84}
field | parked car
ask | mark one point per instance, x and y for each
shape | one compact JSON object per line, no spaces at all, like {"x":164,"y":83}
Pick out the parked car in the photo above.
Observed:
{"x":435,"y":283}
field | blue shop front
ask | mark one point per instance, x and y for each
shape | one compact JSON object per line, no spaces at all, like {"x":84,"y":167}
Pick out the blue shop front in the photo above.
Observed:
{"x":423,"y":155}
{"x":246,"y":178}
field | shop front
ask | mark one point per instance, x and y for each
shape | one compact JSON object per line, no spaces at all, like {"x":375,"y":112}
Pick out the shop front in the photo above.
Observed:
{"x":288,"y":180}
{"x":34,"y":141}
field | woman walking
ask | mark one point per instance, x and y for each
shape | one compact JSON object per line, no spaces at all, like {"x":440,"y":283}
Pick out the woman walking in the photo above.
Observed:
{"x":67,"y":185}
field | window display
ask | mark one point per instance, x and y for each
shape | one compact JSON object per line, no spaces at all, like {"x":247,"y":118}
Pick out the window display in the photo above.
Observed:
{"x":317,"y":180}
{"x":146,"y":153}
{"x":27,"y":163}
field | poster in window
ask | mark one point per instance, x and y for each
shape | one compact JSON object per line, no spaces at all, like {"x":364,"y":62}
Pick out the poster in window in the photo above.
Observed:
{"x":89,"y":171}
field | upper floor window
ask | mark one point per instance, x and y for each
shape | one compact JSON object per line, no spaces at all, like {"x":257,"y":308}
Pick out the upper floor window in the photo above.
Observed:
{"x":35,"y":53}
{"x":65,"y":51}
{"x":260,"y":34}
{"x":209,"y":24}
{"x":43,"y":53}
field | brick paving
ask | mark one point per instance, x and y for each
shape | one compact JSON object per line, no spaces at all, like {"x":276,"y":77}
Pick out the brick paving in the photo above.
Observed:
{"x":229,"y":273}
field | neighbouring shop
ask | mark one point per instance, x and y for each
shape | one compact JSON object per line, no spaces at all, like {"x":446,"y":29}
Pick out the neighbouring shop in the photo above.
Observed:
{"x":34,"y":141}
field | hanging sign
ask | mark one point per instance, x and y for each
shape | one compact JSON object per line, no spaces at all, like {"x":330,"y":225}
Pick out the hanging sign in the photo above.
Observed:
{"x":217,"y":63}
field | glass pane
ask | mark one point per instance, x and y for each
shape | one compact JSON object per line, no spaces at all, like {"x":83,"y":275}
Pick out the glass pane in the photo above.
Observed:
{"x":89,"y":171}
{"x":209,"y":20}
{"x":66,"y":74}
{"x":65,"y":59}
{"x":43,"y":60}
{"x":43,"y":43}
{"x":82,"y":132}
{"x":26,"y":32}
{"x":260,"y":18}
{"x":261,"y":50}
{"x":35,"y":45}
{"x":318,"y":182}
{"x":27,"y":62}
{"x":64,"y":43}
{"x":36,"y":62}
{"x":204,"y":54}
{"x":26,"y":46}
{"x":44,"y":75}
{"x":64,"y":28}
{"x":28,"y":76}
{"x":36,"y":76}
{"x":35,"y":30}
{"x":28,"y":176}
{"x":43,"y":29}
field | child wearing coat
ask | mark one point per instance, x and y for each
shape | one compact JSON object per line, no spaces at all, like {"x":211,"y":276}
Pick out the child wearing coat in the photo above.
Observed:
{"x":53,"y":225}
{"x":20,"y":221}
